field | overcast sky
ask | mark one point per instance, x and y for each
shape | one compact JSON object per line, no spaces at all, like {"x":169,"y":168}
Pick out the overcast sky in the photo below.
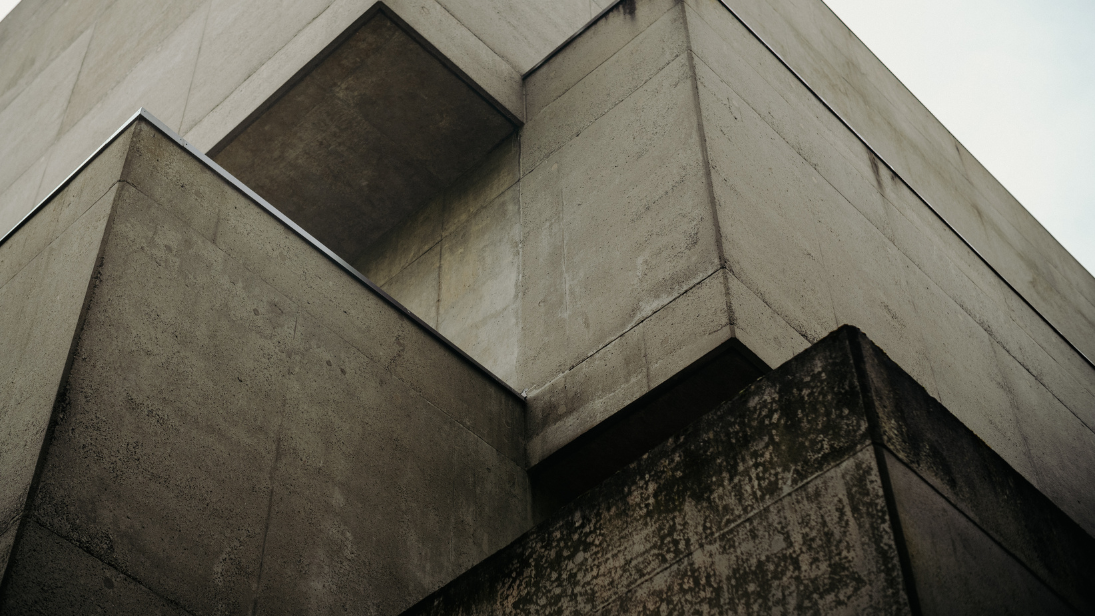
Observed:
{"x":1013,"y":80}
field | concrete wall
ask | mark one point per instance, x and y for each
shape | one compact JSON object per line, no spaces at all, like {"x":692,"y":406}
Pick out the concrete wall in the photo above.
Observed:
{"x":245,"y":426}
{"x":679,"y":187}
{"x":834,"y":484}
{"x":843,"y":71}
{"x":72,"y":71}
{"x":45,"y":272}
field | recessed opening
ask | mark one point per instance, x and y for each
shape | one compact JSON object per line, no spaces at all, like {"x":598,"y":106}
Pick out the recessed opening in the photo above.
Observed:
{"x":642,"y":425}
{"x":368,"y":134}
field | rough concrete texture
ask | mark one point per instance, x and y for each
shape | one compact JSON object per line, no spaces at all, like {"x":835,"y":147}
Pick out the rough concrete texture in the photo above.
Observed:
{"x":777,"y":502}
{"x":843,"y":71}
{"x":215,"y":436}
{"x":85,"y":585}
{"x":368,"y":136}
{"x":45,"y":270}
{"x":800,"y":199}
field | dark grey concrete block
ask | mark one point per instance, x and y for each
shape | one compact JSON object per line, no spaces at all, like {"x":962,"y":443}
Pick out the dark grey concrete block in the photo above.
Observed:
{"x":779,"y":501}
{"x":365,"y":137}
{"x":52,"y":576}
{"x":956,"y":567}
{"x":217,"y":439}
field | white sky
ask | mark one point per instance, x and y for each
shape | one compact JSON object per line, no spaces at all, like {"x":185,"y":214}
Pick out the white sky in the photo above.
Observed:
{"x":6,"y":6}
{"x":1013,"y":80}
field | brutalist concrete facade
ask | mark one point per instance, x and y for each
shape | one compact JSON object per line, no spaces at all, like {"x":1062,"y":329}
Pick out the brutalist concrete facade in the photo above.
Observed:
{"x":626,"y":211}
{"x":835,"y":484}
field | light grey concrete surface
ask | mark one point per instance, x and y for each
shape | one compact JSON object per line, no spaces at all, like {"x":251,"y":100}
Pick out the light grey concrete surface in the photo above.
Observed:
{"x":818,"y":46}
{"x":222,"y":430}
{"x":45,"y":274}
{"x":811,"y":231}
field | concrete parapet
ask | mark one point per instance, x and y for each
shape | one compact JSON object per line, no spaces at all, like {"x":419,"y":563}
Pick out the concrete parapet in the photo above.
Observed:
{"x":833,"y":484}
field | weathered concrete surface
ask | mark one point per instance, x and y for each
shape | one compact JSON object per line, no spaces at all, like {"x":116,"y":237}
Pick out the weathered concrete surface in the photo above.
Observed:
{"x":367,"y":137}
{"x":45,"y":272}
{"x":801,"y":199}
{"x":234,"y":438}
{"x":842,"y":70}
{"x":653,"y":228}
{"x":777,"y":502}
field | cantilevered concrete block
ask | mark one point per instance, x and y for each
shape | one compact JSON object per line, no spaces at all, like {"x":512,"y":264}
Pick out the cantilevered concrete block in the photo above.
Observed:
{"x":835,"y":484}
{"x":210,"y":413}
{"x":369,"y":133}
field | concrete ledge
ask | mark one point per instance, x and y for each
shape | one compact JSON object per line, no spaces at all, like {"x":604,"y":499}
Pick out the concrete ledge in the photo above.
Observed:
{"x":235,"y":418}
{"x":834,"y":483}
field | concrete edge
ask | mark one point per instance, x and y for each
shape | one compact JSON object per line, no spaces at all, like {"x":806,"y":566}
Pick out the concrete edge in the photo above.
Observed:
{"x":894,"y":171}
{"x":143,"y":114}
{"x":379,"y":8}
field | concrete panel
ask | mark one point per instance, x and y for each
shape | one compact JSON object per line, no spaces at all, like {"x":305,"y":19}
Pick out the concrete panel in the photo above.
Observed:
{"x":602,"y":89}
{"x":764,"y":193}
{"x":70,"y":204}
{"x":521,"y":32}
{"x":637,"y":222}
{"x":759,"y":327}
{"x":31,"y":120}
{"x":370,"y":135}
{"x":543,"y":353}
{"x":418,"y":286}
{"x":240,"y":37}
{"x":867,"y":282}
{"x":40,"y":309}
{"x":596,"y":44}
{"x":162,"y":466}
{"x":727,"y":468}
{"x":375,"y":499}
{"x":966,"y":372}
{"x":480,"y":270}
{"x":686,"y":329}
{"x":403,"y":244}
{"x":123,"y":35}
{"x":759,"y":79}
{"x":1062,"y":447}
{"x":957,"y":568}
{"x":35,"y":34}
{"x":609,"y":380}
{"x":52,"y":576}
{"x":496,"y":173}
{"x":268,"y":248}
{"x":19,"y":198}
{"x":814,"y":41}
{"x":158,"y":83}
{"x":449,"y":36}
{"x":825,"y":548}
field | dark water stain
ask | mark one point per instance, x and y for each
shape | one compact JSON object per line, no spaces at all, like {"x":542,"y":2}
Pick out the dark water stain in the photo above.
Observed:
{"x":875,"y":170}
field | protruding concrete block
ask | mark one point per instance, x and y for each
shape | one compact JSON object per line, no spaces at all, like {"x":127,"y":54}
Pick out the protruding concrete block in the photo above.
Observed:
{"x":203,"y":377}
{"x":30,"y":121}
{"x":602,"y":89}
{"x":836,"y":476}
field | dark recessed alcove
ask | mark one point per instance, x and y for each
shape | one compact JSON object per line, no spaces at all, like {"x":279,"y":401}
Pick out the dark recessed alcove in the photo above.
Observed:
{"x":366,"y":134}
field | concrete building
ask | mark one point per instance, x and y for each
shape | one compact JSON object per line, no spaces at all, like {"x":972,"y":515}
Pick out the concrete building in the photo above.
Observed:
{"x":369,"y":289}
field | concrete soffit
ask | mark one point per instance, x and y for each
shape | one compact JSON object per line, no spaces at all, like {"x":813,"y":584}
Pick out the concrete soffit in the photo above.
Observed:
{"x":368,"y":132}
{"x":143,"y":114}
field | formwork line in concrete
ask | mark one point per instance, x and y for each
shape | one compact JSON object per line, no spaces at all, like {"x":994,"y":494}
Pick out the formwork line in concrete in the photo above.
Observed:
{"x":142,"y":113}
